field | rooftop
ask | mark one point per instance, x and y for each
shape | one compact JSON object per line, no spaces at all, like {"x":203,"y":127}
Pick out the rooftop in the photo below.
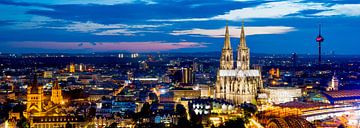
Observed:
{"x":344,"y":94}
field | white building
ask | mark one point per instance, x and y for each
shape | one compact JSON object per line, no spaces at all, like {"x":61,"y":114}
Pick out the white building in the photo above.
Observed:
{"x":277,"y":95}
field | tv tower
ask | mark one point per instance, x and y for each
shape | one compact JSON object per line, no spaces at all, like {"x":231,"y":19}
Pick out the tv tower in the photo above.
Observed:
{"x":319,"y":39}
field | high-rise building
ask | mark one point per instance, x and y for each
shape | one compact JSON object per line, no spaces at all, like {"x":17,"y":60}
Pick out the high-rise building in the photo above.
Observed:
{"x":72,"y":68}
{"x":294,"y":59}
{"x":81,"y":67}
{"x":240,"y":84}
{"x":187,"y":75}
{"x":121,"y":55}
{"x":134,"y":55}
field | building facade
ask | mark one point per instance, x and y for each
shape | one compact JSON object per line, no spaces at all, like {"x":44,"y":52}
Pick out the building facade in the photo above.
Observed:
{"x":237,"y":84}
{"x":56,"y":94}
{"x":48,"y":111}
{"x":333,"y":84}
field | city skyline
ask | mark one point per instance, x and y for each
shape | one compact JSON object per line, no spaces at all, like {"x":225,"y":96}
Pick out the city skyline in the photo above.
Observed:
{"x":273,"y":27}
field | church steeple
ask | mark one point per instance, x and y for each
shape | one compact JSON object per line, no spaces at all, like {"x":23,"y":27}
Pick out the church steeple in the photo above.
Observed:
{"x":34,"y":87}
{"x":242,"y":36}
{"x":227,"y":60}
{"x":34,"y":97}
{"x":56,"y":93}
{"x":227,"y":44}
{"x":56,"y":85}
{"x":243,"y":51}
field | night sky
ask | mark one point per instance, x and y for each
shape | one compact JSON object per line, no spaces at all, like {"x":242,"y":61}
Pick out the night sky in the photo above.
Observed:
{"x":85,"y":26}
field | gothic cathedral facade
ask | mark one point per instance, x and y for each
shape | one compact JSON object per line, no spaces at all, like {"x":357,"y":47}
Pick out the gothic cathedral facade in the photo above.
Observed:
{"x":237,"y":84}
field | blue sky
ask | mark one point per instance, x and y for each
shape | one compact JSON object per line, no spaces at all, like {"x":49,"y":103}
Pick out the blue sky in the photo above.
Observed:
{"x":83,"y":26}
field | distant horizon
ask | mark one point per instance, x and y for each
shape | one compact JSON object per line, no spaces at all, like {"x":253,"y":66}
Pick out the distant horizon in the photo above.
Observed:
{"x":164,"y":52}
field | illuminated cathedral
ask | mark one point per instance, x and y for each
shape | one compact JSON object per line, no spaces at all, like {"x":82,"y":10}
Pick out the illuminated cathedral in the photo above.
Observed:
{"x":237,"y":84}
{"x":38,"y":104}
{"x":48,"y":111}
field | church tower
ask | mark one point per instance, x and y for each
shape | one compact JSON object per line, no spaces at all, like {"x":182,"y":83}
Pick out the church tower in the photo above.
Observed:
{"x":227,"y":60}
{"x":56,"y":94}
{"x":243,"y":57}
{"x":334,"y":84}
{"x":35,"y":95}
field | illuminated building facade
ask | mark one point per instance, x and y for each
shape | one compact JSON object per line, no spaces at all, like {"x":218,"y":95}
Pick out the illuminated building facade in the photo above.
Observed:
{"x":277,"y":95}
{"x":182,"y":75}
{"x":72,"y":68}
{"x":35,"y":97}
{"x":48,"y":74}
{"x":56,"y":94}
{"x":42,"y":112}
{"x":239,"y":84}
{"x":334,"y":84}
{"x":187,"y":75}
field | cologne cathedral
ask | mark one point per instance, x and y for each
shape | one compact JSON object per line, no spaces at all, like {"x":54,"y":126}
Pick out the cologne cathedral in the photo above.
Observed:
{"x":237,"y":84}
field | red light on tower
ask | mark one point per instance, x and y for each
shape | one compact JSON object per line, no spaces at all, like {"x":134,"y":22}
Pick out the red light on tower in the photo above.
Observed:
{"x":319,"y":39}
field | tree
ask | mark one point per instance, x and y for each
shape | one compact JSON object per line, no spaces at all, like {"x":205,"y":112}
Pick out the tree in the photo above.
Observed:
{"x":68,"y":125}
{"x":113,"y":125}
{"x":341,"y":126}
{"x":181,"y":110}
{"x":92,"y":112}
{"x":195,"y":120}
{"x":183,"y":123}
{"x":22,"y":123}
{"x":237,"y":123}
{"x":145,"y":110}
{"x":248,"y":110}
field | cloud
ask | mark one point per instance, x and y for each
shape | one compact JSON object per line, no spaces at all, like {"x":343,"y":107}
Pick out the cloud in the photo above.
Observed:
{"x":341,"y":9}
{"x":124,"y":32}
{"x":101,"y":2}
{"x":235,"y":31}
{"x":18,"y":18}
{"x":109,"y":46}
{"x":270,"y":10}
{"x":278,"y":9}
{"x":110,"y":29}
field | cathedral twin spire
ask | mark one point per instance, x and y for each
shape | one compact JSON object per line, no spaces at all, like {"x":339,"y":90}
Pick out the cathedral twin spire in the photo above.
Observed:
{"x":242,"y":36}
{"x":227,"y":44}
{"x":226,"y":61}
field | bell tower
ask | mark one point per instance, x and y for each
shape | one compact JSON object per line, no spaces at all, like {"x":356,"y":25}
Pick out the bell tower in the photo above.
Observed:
{"x":243,"y":56}
{"x":35,"y":95}
{"x":56,"y":94}
{"x":227,"y":60}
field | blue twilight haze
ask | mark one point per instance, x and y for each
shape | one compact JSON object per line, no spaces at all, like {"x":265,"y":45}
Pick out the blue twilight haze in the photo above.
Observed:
{"x":271,"y":26}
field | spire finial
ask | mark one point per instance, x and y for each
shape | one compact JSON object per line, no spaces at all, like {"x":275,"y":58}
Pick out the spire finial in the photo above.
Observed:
{"x":227,"y":44}
{"x":242,"y":36}
{"x":56,"y":84}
